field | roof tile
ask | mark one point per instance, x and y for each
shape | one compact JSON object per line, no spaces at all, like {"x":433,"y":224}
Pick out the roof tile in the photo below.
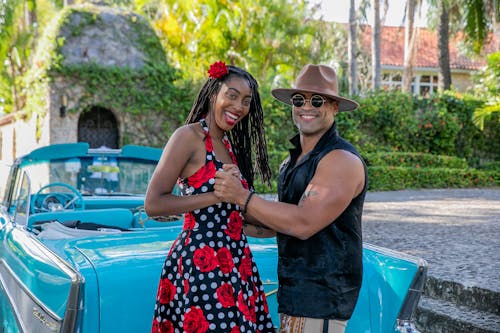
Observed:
{"x":426,"y":53}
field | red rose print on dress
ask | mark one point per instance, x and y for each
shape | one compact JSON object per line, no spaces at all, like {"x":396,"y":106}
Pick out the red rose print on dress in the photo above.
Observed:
{"x":200,"y":177}
{"x":255,"y":290}
{"x":163,"y":327}
{"x":234,"y":226}
{"x":205,"y":259}
{"x":225,"y":295}
{"x":247,"y":307}
{"x":172,"y":247}
{"x":186,"y":286}
{"x":236,"y":329}
{"x":195,"y":321}
{"x":245,"y":268}
{"x":156,"y":326}
{"x":247,"y":252}
{"x":264,"y":301}
{"x":225,"y":259}
{"x":179,"y":266}
{"x":189,"y":222}
{"x":166,"y":291}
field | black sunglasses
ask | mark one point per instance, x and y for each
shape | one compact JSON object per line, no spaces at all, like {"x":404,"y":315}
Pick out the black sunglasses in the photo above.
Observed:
{"x":316,"y":101}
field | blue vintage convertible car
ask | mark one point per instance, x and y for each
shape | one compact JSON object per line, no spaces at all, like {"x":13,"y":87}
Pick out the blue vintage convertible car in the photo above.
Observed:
{"x":78,"y":253}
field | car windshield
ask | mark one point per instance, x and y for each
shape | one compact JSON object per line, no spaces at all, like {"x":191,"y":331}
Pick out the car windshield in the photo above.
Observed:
{"x":4,"y":176}
{"x":105,"y":175}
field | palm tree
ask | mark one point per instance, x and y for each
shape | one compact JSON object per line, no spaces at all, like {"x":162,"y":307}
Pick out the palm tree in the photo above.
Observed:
{"x":481,"y":17}
{"x":376,"y":45}
{"x":18,"y":35}
{"x":444,"y":76}
{"x":352,"y":72}
{"x":410,"y":37}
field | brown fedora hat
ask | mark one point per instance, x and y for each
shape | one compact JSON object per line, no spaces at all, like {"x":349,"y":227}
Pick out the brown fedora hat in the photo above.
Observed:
{"x":319,"y":79}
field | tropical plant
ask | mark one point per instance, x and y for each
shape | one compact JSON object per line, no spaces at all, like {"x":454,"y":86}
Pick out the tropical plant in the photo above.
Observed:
{"x":444,"y":76}
{"x":488,"y":87}
{"x":20,"y":24}
{"x":247,"y":34}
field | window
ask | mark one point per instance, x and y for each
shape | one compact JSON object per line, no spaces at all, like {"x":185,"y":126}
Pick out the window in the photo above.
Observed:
{"x":423,"y":85}
{"x":427,"y":85}
{"x":391,"y":81}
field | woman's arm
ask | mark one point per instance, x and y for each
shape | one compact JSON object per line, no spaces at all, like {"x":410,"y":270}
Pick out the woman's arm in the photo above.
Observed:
{"x":258,"y":231}
{"x":183,"y":154}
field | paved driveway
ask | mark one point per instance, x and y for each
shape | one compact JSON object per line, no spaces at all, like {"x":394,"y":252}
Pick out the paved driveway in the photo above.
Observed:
{"x":456,"y":231}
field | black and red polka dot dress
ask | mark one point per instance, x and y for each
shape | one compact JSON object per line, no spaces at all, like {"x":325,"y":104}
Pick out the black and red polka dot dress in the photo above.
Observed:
{"x":209,"y":281}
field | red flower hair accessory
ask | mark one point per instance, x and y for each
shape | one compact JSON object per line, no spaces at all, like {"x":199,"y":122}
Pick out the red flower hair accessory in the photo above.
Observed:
{"x":217,"y":70}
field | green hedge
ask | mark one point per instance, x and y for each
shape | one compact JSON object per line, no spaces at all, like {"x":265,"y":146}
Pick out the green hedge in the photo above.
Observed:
{"x":441,"y":125}
{"x":422,"y":160}
{"x":398,"y":178}
{"x":399,"y":170}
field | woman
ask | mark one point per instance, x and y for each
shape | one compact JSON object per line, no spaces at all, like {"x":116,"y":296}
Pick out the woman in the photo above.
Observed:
{"x":209,"y":279}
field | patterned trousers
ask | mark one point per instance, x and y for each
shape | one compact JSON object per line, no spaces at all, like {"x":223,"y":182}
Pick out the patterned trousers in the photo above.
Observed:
{"x":289,"y":324}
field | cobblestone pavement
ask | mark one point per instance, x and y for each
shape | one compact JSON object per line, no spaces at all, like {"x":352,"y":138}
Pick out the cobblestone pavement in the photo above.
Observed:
{"x":456,"y":231}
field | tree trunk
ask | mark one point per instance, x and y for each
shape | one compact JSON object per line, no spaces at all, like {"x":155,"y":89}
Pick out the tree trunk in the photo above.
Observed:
{"x":409,"y":46}
{"x":376,"y":45}
{"x":351,"y":50}
{"x":444,"y":77}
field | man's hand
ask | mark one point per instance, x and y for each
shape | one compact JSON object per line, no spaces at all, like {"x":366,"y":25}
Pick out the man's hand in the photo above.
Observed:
{"x":228,"y":187}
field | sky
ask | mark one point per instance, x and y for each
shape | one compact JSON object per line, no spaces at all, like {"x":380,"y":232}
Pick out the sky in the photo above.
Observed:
{"x":338,"y":11}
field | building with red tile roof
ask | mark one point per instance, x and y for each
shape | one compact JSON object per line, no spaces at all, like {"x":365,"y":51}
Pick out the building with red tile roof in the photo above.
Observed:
{"x":426,"y":62}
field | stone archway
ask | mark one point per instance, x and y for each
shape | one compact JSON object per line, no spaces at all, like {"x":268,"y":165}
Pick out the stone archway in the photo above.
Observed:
{"x":99,"y":127}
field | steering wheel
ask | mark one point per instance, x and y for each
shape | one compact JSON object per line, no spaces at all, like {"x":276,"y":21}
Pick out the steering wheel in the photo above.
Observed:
{"x":58,"y":200}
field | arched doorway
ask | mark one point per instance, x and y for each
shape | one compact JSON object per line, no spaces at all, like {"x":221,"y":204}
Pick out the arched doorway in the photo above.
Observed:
{"x":98,"y":127}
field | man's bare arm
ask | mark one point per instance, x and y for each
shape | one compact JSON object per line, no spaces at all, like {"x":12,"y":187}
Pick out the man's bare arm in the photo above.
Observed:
{"x":338,"y":179}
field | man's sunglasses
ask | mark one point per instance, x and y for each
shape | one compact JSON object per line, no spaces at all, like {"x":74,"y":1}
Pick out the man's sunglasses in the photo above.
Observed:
{"x":299,"y":101}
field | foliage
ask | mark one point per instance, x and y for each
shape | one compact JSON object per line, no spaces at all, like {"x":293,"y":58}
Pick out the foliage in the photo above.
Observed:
{"x":145,"y":93}
{"x":196,"y":33}
{"x":494,"y":166}
{"x":392,"y":128}
{"x":246,"y":34}
{"x":488,"y":87}
{"x":149,"y":89}
{"x":438,"y":127}
{"x":20,"y":25}
{"x":414,"y":160}
{"x":476,"y":22}
{"x":380,"y":117}
{"x":395,"y":121}
{"x":399,"y":178}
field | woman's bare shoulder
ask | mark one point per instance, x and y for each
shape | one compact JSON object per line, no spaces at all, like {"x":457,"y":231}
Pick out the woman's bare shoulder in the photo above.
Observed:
{"x":188,"y":132}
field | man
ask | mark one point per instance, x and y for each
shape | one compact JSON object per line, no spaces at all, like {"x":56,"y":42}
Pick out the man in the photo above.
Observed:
{"x":321,"y":192}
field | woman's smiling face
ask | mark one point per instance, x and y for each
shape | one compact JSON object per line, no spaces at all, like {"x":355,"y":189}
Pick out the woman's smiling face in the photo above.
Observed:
{"x":232,"y":103}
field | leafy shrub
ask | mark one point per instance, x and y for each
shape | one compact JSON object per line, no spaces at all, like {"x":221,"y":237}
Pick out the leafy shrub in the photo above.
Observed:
{"x":416,"y":160}
{"x":441,"y":125}
{"x":399,"y":178}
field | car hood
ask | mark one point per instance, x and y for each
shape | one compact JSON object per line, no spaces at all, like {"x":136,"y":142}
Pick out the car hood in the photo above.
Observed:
{"x":122,"y":272}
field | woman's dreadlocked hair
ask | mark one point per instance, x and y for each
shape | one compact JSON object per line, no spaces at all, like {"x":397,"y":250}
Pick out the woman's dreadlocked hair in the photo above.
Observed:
{"x":248,"y":131}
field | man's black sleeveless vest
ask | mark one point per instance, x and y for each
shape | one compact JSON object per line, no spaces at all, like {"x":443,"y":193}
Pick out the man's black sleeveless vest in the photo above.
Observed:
{"x":319,"y":277}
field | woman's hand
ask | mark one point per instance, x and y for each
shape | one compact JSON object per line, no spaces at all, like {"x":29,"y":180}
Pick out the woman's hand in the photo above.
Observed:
{"x":228,"y":187}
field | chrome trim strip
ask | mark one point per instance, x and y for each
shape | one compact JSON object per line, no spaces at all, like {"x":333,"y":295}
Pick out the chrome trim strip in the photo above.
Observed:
{"x":66,"y":324}
{"x":397,"y":254}
{"x":77,"y":280}
{"x":405,"y":317}
{"x":24,"y":303}
{"x":413,"y":296}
